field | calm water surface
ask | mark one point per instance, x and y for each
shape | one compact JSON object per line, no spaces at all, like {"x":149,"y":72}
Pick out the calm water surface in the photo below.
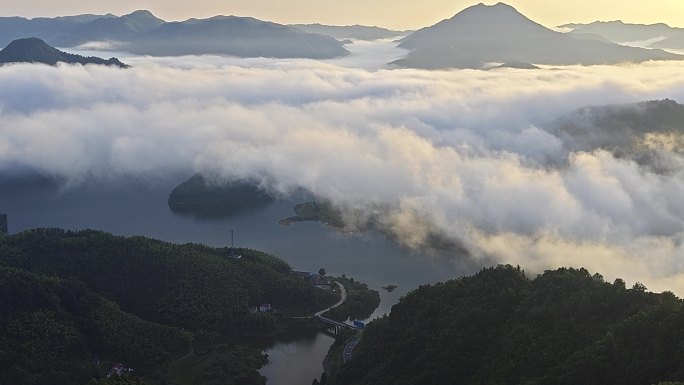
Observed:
{"x":140,"y":209}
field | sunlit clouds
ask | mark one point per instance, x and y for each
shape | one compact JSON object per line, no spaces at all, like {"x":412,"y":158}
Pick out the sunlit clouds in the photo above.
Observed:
{"x":470,"y":155}
{"x":397,"y":14}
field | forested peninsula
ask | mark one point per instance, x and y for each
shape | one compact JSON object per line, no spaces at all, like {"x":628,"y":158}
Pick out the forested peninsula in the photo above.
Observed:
{"x":75,"y":304}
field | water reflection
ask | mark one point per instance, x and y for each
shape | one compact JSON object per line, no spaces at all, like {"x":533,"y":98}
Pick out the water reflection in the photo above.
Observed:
{"x":296,"y":358}
{"x":140,"y":208}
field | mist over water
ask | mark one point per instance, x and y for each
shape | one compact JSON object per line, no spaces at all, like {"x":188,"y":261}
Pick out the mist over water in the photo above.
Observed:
{"x":364,"y":54}
{"x":136,"y":207}
{"x":470,"y":156}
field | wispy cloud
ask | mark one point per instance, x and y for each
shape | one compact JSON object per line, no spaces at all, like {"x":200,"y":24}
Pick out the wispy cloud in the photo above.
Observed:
{"x":471,"y":155}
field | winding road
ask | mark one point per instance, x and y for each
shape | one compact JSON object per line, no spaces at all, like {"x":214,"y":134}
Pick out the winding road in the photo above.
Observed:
{"x":343,"y":290}
{"x":348,"y":348}
{"x":350,"y":345}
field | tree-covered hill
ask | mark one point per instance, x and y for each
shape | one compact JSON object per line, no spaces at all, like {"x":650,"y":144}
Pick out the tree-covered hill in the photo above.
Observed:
{"x":55,"y":331}
{"x":177,"y":314}
{"x":191,"y":286}
{"x":201,"y":197}
{"x":34,"y":50}
{"x":499,"y":327}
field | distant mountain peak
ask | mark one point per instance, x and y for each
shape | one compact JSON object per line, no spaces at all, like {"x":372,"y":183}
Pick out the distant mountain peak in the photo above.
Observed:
{"x":499,"y":12}
{"x":28,"y":45}
{"x":141,"y":12}
{"x":34,"y":50}
{"x":498,"y":7}
{"x":26,"y":41}
{"x":142,"y":15}
{"x":476,"y":22}
{"x":484,"y":34}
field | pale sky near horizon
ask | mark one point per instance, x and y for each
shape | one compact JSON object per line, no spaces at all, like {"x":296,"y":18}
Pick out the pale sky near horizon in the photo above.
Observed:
{"x":397,"y":14}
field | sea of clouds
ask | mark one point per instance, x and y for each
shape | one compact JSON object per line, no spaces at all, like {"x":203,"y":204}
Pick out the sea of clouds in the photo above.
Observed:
{"x":468,"y":155}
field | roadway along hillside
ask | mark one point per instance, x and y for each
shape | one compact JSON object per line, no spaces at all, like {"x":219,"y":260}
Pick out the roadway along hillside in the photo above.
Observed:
{"x":343,"y":298}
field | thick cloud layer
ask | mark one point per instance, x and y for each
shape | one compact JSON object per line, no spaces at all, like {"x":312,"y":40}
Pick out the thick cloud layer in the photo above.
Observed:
{"x":473,"y":156}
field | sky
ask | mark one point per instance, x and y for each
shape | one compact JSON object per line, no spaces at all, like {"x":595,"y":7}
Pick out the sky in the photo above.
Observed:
{"x":396,"y":14}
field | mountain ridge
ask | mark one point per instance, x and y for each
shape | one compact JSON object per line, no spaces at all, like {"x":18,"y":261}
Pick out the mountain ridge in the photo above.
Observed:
{"x":235,"y":36}
{"x":617,"y":31}
{"x":355,"y":31}
{"x":34,"y":50}
{"x":140,"y":32}
{"x":483,"y":34}
{"x":675,"y":41}
{"x":112,"y":28}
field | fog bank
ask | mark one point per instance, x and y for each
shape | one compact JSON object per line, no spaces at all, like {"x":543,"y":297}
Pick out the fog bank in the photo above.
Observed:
{"x":475,"y":157}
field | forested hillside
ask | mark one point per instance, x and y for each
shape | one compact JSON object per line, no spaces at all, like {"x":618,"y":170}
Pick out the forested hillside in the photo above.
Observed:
{"x":192,"y":286}
{"x":499,"y":327}
{"x":54,"y":331}
{"x":60,"y":294}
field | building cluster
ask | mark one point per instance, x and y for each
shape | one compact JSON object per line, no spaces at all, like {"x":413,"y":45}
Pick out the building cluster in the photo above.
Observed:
{"x":319,"y":281}
{"x":263,"y":308}
{"x":118,"y":369}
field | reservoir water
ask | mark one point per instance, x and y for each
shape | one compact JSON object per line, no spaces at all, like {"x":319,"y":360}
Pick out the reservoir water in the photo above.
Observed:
{"x":140,"y":208}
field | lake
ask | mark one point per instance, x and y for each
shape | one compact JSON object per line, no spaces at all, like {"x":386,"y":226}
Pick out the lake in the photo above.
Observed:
{"x":139,"y":208}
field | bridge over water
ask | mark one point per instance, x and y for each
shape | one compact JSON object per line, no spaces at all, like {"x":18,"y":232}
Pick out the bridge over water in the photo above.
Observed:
{"x":335,"y":326}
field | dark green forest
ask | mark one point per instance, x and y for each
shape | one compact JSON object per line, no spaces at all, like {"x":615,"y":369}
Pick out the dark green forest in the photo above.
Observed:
{"x":67,"y":298}
{"x":320,"y":210}
{"x":200,"y":197}
{"x":499,"y":327}
{"x":72,"y":303}
{"x":361,"y":301}
{"x":51,"y":330}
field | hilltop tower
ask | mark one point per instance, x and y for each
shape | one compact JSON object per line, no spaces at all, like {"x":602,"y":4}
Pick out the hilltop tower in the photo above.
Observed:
{"x":232,"y":251}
